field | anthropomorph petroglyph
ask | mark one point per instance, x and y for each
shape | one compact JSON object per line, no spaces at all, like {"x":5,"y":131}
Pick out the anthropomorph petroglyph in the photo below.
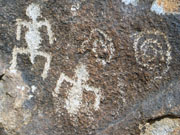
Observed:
{"x":33,"y":39}
{"x":152,"y":51}
{"x":102,"y":46}
{"x":75,"y":95}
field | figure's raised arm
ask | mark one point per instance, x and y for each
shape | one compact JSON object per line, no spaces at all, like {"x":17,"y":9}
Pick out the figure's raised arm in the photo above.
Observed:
{"x":62,"y":78}
{"x":19,"y":24}
{"x":49,"y":30}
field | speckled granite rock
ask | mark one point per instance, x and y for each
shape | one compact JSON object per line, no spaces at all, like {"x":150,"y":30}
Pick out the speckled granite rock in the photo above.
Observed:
{"x":79,"y":67}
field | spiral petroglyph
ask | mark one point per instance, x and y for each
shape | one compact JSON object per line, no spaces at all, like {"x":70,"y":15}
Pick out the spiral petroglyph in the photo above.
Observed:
{"x":101,"y":44}
{"x":153,"y":51}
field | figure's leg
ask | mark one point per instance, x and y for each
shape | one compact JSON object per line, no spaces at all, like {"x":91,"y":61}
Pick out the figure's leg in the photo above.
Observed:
{"x":97,"y":94}
{"x":98,"y":98}
{"x":47,"y":64}
{"x":15,"y":52}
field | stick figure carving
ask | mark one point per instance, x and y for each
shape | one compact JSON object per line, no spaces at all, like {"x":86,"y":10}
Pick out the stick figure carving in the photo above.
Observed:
{"x":75,"y":95}
{"x":32,"y":38}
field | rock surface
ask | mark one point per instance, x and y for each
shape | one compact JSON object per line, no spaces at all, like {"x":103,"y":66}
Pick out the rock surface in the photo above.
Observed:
{"x":165,"y":126}
{"x":79,"y":67}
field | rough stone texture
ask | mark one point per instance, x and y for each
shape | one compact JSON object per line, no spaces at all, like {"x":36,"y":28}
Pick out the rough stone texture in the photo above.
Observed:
{"x":165,"y":6}
{"x":121,"y":53}
{"x":165,"y":126}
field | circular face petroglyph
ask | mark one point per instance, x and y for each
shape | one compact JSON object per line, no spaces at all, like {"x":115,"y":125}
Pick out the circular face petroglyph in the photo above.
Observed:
{"x":153,"y":51}
{"x":101,"y":45}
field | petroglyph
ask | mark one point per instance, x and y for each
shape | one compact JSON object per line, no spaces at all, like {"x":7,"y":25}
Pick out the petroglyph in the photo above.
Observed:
{"x":133,"y":2}
{"x":33,"y":39}
{"x":153,"y":51}
{"x":102,"y":46}
{"x":166,"y":6}
{"x":75,"y":95}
